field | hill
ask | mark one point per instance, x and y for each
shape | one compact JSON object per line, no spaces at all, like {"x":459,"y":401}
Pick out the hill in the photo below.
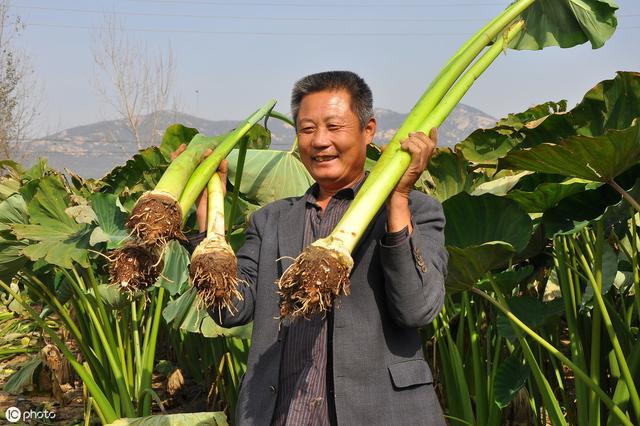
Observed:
{"x":92,"y":150}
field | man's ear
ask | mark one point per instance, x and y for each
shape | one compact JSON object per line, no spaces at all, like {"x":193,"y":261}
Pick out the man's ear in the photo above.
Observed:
{"x":370,"y":129}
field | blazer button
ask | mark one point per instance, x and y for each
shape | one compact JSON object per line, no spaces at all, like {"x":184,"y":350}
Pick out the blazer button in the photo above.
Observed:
{"x":272,"y":389}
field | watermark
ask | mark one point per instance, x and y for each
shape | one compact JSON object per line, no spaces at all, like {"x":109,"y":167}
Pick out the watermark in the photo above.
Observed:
{"x":14,"y":415}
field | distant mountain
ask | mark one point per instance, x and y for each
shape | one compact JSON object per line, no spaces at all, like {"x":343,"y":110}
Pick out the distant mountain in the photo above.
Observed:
{"x":92,"y":150}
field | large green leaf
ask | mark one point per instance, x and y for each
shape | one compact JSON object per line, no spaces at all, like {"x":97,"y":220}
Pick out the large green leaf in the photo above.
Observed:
{"x":469,"y":264}
{"x":599,"y":158}
{"x":185,"y":314}
{"x":174,"y":136}
{"x":111,"y":220}
{"x":182,"y":419}
{"x":450,"y":175}
{"x":23,"y":379}
{"x":475,"y":220}
{"x":546,"y":195}
{"x":511,"y":376}
{"x":53,"y":235}
{"x":140,"y":173}
{"x":611,"y":104}
{"x":13,"y":210}
{"x":270,"y":175}
{"x":566,"y":23}
{"x":8,"y":186}
{"x":487,"y":145}
{"x":529,"y":310}
{"x":175,"y":273}
{"x":499,"y":186}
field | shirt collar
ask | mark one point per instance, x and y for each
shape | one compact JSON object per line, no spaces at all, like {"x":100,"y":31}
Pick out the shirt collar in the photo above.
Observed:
{"x":349,"y":193}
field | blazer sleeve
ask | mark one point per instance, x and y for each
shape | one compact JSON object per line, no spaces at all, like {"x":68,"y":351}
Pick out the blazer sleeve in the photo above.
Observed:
{"x":415,"y":269}
{"x":248,"y":258}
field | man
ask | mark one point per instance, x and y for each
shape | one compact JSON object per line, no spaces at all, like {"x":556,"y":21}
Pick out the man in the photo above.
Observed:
{"x":361,"y":363}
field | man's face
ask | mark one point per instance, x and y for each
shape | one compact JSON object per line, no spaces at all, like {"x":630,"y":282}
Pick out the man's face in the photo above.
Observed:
{"x":331,"y":143}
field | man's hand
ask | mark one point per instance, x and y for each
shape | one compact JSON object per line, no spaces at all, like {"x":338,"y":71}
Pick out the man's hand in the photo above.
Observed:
{"x":201,"y":203}
{"x":421,"y":147}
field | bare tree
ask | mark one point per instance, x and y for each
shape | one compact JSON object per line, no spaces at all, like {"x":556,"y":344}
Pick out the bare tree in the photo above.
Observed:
{"x":135,"y":82}
{"x":18,"y":97}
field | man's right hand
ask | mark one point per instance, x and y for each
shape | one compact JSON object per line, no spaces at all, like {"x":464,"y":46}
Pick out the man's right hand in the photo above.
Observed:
{"x":201,"y":202}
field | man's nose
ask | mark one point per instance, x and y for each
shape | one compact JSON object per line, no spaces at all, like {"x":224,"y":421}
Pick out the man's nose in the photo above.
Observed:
{"x":321,"y":138}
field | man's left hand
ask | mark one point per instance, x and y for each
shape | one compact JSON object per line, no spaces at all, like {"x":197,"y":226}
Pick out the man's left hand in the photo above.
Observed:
{"x":421,"y":147}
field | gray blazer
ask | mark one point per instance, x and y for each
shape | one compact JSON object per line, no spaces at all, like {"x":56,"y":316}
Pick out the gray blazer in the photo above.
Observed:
{"x":380,"y":376}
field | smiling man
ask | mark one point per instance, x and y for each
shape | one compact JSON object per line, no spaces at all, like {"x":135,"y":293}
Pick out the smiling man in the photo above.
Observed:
{"x":362,"y":362}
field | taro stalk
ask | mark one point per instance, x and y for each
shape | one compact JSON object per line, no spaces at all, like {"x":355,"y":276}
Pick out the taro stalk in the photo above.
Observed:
{"x":548,"y":23}
{"x":213,"y":263}
{"x":158,"y":215}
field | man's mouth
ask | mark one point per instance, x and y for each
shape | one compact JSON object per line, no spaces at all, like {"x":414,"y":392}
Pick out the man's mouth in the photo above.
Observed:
{"x":324,"y":158}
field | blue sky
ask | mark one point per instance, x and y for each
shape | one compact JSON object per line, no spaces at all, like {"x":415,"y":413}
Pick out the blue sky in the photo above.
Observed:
{"x":232,"y":56}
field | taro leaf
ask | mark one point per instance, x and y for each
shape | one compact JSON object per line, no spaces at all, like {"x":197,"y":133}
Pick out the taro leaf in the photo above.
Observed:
{"x":468,"y":265}
{"x":474,"y":220}
{"x":111,"y":295}
{"x":184,"y":313}
{"x":449,"y":173}
{"x":499,"y":186}
{"x":487,"y":145}
{"x":507,"y":280}
{"x":22,"y":380}
{"x":576,"y":211}
{"x":566,"y":23}
{"x":174,"y":136}
{"x":209,"y":328}
{"x":511,"y":376}
{"x":175,"y":273}
{"x":257,"y":138}
{"x":11,"y":257}
{"x":110,"y":219}
{"x":140,"y":173}
{"x":183,"y":419}
{"x":529,"y":310}
{"x":13,"y":210}
{"x":54,"y":236}
{"x":609,"y":270}
{"x":546,"y":195}
{"x":270,"y":175}
{"x":600,"y":158}
{"x":8,"y":186}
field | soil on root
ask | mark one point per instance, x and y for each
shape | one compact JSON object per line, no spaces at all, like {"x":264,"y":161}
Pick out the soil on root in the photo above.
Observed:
{"x":156,"y":219}
{"x":312,"y":283}
{"x":134,"y":268}
{"x":214,"y":276}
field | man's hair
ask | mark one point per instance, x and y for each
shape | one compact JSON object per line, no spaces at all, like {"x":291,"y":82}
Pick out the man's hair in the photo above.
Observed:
{"x":361,"y":97}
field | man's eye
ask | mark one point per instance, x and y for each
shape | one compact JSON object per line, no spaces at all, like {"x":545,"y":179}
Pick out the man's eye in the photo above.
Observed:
{"x":307,"y":130}
{"x":333,"y":127}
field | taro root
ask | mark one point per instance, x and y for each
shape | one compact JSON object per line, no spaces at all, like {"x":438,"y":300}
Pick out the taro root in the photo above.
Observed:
{"x":134,"y":268}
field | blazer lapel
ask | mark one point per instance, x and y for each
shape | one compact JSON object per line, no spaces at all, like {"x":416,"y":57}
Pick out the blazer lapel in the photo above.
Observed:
{"x":290,"y":235}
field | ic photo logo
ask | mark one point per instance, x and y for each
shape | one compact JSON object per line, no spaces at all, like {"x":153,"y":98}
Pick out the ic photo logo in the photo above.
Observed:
{"x":13,"y":414}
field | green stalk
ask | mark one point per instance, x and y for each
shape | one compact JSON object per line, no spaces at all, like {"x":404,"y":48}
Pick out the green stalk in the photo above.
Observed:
{"x":177,"y":174}
{"x":634,"y":263}
{"x":198,"y":180}
{"x":624,"y":194}
{"x":597,"y":292}
{"x":215,"y":207}
{"x":575,"y":340}
{"x":149,"y":355}
{"x":388,"y":170}
{"x":242,"y":155}
{"x":550,"y":401}
{"x":136,"y":346}
{"x":100,"y":399}
{"x":479,"y":379}
{"x":580,"y":374}
{"x":594,"y":404}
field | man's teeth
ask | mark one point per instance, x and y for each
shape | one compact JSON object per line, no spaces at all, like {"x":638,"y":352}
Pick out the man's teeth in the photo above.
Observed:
{"x":321,"y":159}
